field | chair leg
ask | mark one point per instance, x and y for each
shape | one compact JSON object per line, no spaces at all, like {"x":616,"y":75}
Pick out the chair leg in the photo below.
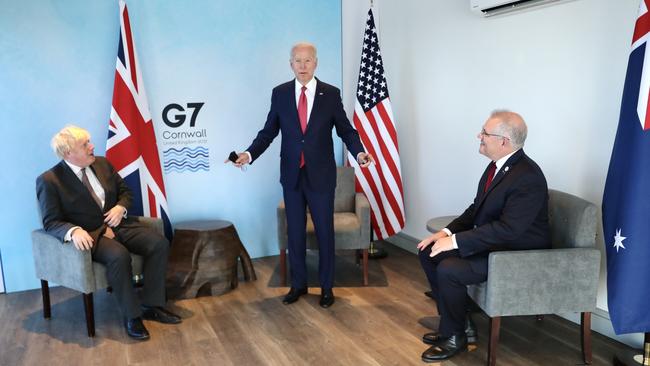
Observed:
{"x":585,"y":336}
{"x":45,"y":291}
{"x":90,"y":314}
{"x":365,"y":267}
{"x":283,"y":267}
{"x":495,"y":324}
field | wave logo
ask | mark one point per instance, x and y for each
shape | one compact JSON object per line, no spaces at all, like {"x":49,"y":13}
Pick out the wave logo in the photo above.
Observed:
{"x":186,"y":159}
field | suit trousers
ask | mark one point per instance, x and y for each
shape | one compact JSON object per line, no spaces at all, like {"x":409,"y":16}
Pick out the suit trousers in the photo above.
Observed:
{"x":131,"y":237}
{"x":449,"y":274}
{"x":321,"y":208}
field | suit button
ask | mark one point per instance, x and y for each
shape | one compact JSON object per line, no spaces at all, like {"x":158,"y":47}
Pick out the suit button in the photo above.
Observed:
{"x":302,"y":141}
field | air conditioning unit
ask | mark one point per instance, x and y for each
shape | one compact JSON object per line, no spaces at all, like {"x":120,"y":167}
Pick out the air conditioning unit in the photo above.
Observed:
{"x":489,"y":8}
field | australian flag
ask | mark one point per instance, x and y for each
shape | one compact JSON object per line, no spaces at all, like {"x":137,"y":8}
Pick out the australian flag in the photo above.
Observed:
{"x":131,"y":145}
{"x":626,"y":201}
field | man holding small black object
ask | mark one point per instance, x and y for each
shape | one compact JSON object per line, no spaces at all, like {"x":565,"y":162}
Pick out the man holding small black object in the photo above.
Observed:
{"x":306,"y":110}
{"x":509,"y":212}
{"x":84,"y":202}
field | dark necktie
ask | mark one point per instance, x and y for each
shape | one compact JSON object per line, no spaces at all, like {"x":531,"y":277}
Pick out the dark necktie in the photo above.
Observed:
{"x":86,"y":183}
{"x":491,"y":169}
{"x":302,"y":115}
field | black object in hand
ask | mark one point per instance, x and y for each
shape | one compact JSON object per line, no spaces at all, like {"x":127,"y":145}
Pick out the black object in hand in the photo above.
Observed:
{"x":233,"y":156}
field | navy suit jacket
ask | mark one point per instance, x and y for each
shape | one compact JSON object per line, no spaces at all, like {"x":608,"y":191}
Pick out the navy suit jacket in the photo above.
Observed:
{"x":327,"y":113}
{"x":511,"y":215}
{"x":65,"y":202}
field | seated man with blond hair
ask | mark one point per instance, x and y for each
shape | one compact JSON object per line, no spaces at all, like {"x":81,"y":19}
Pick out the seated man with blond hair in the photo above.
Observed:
{"x":84,"y":203}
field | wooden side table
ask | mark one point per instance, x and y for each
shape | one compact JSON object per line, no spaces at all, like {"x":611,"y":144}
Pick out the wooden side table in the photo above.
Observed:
{"x":204,"y":258}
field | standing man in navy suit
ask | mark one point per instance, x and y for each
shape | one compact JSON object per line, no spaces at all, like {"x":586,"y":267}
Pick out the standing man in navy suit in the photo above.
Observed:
{"x":509,"y":212}
{"x":306,"y":110}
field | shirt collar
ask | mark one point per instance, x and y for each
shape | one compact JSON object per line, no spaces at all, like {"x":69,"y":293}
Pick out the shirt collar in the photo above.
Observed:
{"x":311,"y":86}
{"x":75,"y":169}
{"x":499,"y":163}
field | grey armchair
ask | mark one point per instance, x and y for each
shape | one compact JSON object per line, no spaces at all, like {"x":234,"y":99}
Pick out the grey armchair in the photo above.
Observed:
{"x":533,"y":282}
{"x":351,"y":223}
{"x":63,"y":264}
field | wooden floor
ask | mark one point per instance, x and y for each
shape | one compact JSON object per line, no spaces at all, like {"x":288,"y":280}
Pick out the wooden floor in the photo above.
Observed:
{"x":376,"y":325}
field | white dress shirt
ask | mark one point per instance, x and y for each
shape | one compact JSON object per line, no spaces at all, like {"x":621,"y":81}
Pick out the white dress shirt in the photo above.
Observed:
{"x":94,"y":183}
{"x":310,"y":92}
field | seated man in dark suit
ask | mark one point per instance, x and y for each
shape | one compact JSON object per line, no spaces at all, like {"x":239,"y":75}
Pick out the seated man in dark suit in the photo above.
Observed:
{"x":509,"y":212}
{"x":84,"y":201}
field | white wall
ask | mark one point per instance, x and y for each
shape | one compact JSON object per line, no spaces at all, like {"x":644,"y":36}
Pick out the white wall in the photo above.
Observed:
{"x":562,"y":67}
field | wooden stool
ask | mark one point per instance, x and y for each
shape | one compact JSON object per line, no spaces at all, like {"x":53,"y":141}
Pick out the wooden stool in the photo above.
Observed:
{"x":203,"y":259}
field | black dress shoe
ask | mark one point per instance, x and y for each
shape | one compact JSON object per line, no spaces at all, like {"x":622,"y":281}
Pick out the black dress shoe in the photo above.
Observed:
{"x":159,"y":314}
{"x":293,"y":295}
{"x":135,"y":329}
{"x":470,"y":332}
{"x":429,"y":294}
{"x":445,"y":348}
{"x":326,"y":298}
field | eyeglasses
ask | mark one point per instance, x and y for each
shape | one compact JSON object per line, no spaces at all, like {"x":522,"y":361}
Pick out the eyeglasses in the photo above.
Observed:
{"x":483,"y":133}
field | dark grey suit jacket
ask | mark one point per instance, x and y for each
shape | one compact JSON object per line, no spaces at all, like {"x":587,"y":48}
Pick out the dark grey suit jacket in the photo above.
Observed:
{"x":65,"y":202}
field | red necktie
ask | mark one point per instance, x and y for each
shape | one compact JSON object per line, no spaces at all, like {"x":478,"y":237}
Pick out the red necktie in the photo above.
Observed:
{"x":302,"y":115}
{"x":491,"y":170}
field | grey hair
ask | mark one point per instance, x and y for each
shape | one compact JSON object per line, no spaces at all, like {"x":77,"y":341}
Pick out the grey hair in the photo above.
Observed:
{"x":511,"y":125}
{"x":303,"y":44}
{"x":65,"y":139}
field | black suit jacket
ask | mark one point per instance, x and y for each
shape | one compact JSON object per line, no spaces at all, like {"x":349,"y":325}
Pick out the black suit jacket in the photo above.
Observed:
{"x":511,"y":215}
{"x":65,"y":202}
{"x":327,"y":113}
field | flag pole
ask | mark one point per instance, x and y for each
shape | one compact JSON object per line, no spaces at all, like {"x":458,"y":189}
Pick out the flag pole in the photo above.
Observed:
{"x":633,"y":358}
{"x":375,"y":252}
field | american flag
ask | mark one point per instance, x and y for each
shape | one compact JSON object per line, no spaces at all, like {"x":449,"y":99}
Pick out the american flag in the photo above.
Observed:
{"x":373,"y":119}
{"x":626,"y":200}
{"x":131,"y":144}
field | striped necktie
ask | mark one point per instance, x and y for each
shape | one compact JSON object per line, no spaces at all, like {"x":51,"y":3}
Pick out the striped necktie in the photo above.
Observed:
{"x":86,"y":183}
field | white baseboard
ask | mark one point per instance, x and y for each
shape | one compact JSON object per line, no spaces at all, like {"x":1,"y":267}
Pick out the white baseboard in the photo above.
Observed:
{"x":600,"y":321}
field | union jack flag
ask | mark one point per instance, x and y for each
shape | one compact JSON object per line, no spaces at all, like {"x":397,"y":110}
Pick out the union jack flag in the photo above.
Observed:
{"x":373,"y":119}
{"x":626,"y":202}
{"x":131,"y":144}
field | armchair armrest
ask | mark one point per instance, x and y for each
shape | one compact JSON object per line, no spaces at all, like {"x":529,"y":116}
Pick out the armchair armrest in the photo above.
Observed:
{"x":62,"y":263}
{"x":362,"y":210}
{"x":547,"y":281}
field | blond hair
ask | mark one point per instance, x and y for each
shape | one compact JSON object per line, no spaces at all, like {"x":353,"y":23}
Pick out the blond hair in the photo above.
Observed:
{"x":65,"y":139}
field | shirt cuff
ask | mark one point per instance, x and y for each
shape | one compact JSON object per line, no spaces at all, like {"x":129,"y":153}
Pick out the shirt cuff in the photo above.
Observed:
{"x":454,"y":242}
{"x":68,"y":236}
{"x":250,"y":158}
{"x":125,"y":211}
{"x":447,"y":231}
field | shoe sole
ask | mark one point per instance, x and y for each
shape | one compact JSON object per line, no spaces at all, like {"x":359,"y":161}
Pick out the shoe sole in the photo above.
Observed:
{"x":427,"y":360}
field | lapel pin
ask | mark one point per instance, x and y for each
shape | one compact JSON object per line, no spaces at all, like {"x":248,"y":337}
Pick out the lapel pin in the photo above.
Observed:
{"x":505,"y":170}
{"x":321,"y":93}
